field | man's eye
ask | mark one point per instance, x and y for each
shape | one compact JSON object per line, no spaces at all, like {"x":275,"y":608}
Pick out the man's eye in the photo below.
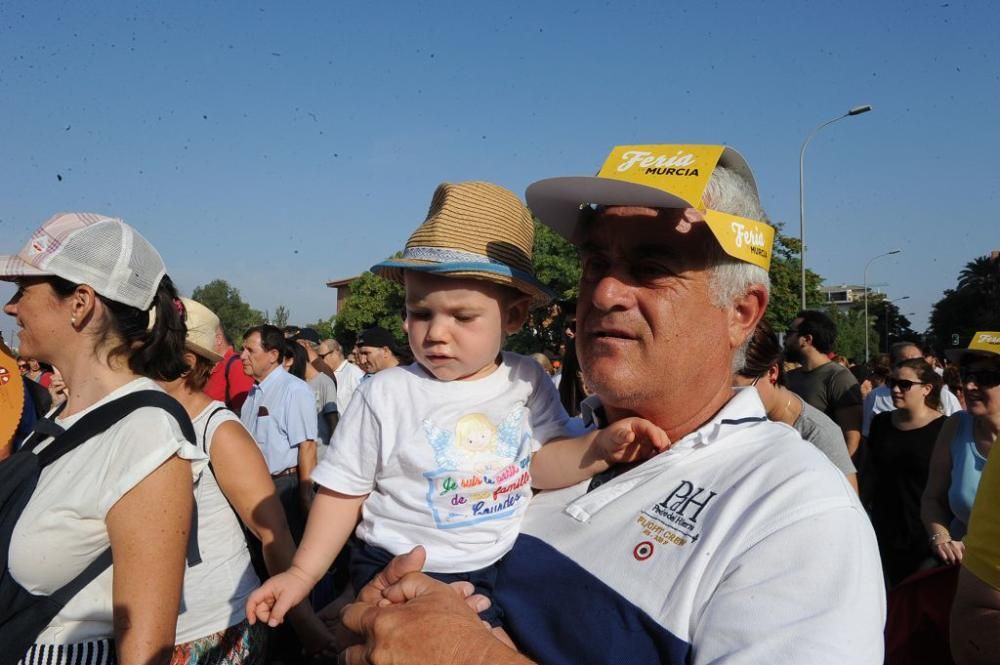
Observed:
{"x":594,"y":267}
{"x":650,"y":270}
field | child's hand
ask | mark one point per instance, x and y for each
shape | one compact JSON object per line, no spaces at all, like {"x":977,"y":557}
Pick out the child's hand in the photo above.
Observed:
{"x":630,"y":440}
{"x":276,"y":596}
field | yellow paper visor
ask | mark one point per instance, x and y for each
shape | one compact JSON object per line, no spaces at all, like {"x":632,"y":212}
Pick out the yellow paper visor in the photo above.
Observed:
{"x":741,"y":238}
{"x":656,"y":176}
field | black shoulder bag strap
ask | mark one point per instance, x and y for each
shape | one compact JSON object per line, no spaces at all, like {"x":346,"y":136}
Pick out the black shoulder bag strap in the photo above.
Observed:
{"x":229,"y":365}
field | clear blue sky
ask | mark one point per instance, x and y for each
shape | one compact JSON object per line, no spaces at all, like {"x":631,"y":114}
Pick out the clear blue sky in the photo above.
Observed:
{"x":280,"y":145}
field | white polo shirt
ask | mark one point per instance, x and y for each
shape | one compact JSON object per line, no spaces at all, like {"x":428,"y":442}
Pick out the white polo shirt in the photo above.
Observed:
{"x":740,"y":544}
{"x":348,"y":376}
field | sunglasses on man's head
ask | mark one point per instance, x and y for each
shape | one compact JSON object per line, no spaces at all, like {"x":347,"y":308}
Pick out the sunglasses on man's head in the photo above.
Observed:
{"x":984,"y":378}
{"x":903,"y":384}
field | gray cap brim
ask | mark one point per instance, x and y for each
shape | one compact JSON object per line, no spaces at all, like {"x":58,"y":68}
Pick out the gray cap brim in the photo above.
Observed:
{"x":557,"y":201}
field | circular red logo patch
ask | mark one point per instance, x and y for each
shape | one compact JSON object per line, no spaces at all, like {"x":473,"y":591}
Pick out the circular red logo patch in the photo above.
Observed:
{"x":643,"y":551}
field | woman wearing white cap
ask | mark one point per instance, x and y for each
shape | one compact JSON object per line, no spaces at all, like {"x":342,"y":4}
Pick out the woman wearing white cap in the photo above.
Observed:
{"x":86,"y":287}
{"x":212,"y":627}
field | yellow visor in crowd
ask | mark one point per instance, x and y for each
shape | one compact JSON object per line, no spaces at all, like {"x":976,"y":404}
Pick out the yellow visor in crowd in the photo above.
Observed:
{"x":987,"y":341}
{"x":984,"y":341}
{"x":657,"y":176}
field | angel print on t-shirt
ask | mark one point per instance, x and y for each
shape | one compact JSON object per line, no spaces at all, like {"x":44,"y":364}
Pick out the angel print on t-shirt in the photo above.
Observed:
{"x":482,"y":469}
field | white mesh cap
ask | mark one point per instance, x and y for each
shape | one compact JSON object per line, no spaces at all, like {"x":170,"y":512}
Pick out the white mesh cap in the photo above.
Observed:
{"x":86,"y":248}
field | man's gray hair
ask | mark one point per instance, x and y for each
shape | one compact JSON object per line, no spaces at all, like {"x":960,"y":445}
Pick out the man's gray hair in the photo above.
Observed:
{"x":730,"y":192}
{"x":333,"y":345}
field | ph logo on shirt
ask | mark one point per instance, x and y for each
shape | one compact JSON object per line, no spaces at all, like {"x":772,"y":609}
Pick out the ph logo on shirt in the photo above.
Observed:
{"x":674,"y":520}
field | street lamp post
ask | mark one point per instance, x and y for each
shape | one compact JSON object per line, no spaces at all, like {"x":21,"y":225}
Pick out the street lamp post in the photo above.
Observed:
{"x":857,"y":110}
{"x":885,"y":318}
{"x":889,"y":253}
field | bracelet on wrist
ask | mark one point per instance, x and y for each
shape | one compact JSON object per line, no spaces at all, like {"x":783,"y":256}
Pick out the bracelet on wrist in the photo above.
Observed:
{"x":935,"y":538}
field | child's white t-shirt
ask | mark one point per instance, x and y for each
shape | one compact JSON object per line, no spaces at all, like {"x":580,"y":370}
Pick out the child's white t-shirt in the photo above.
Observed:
{"x":445,"y":463}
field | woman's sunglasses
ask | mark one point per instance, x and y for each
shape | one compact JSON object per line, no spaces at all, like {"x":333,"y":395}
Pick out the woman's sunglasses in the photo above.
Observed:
{"x":903,"y":384}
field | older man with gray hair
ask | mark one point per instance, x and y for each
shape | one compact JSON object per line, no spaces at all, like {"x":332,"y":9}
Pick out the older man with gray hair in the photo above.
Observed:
{"x":348,"y":374}
{"x":741,"y":543}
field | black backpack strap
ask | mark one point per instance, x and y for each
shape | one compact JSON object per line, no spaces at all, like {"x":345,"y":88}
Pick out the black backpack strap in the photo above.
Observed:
{"x":45,"y":427}
{"x":229,"y":365}
{"x":65,"y":593}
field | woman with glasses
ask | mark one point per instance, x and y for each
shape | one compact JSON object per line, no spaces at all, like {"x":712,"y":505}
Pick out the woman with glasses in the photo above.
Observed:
{"x":900,"y":444}
{"x":961,"y":451}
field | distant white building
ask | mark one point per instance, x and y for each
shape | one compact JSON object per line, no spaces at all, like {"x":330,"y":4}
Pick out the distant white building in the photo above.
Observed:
{"x":845,"y":295}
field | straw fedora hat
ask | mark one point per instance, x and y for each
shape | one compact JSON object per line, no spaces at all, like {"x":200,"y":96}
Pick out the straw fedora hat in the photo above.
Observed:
{"x":475,"y":230}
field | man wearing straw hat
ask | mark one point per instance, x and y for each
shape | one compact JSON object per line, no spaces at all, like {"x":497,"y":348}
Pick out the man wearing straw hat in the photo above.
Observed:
{"x":741,"y":543}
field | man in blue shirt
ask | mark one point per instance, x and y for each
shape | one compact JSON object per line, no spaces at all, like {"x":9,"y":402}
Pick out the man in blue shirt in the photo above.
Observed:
{"x":280,"y":413}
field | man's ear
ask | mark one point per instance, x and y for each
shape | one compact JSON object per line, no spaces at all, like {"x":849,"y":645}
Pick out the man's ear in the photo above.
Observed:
{"x":516,"y":313}
{"x":746,"y":311}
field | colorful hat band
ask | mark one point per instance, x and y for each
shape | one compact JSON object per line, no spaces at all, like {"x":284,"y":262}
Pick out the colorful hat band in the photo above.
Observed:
{"x":446,"y":255}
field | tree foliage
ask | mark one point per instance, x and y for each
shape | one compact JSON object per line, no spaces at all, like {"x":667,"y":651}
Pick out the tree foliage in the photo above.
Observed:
{"x":886,"y":322}
{"x":234,"y":313}
{"x":281,"y":316}
{"x":851,"y":334}
{"x":974,"y":304}
{"x":785,"y":273}
{"x":373,"y":301}
{"x":324,"y":328}
{"x":557,"y":266}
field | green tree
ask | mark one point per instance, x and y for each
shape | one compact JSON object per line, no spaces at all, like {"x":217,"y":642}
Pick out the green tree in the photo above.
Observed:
{"x":886,"y":322}
{"x":374,"y":301}
{"x":557,"y":266}
{"x":851,"y":334}
{"x":281,"y":315}
{"x":324,"y":327}
{"x":973,"y":305}
{"x":785,"y":273}
{"x":234,"y":313}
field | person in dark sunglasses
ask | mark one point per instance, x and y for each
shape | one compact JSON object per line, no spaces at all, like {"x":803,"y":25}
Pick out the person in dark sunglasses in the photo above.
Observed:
{"x":962,"y":448}
{"x":900,"y":445}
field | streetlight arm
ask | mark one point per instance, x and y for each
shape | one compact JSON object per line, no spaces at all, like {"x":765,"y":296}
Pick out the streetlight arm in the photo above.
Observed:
{"x":857,"y":110}
{"x":889,"y":253}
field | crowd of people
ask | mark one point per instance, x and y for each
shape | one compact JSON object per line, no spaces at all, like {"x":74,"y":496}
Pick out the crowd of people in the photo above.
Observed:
{"x":684,"y":484}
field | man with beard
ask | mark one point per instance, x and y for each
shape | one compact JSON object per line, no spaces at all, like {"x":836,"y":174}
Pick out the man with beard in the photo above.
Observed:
{"x":826,"y":385}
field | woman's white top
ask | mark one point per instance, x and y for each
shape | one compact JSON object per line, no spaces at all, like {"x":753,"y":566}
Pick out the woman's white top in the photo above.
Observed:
{"x":62,"y":529}
{"x":215,"y":590}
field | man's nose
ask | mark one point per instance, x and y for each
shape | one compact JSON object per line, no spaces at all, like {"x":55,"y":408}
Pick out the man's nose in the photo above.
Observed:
{"x":613,"y":292}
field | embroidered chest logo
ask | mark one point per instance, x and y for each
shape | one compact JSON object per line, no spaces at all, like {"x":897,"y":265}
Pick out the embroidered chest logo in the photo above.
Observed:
{"x":675,"y":519}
